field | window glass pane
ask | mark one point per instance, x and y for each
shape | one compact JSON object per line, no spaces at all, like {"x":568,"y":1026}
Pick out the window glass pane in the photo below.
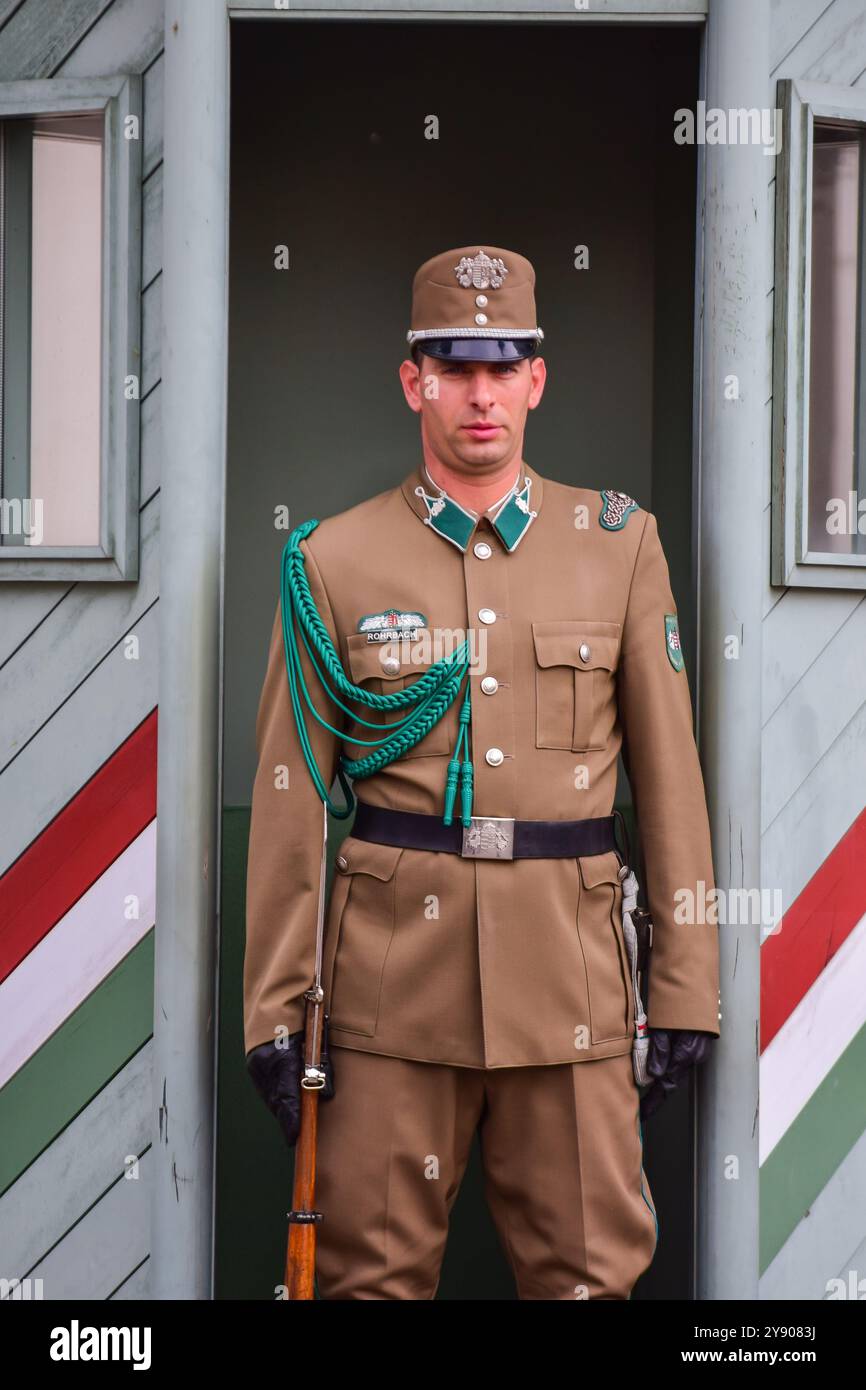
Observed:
{"x":66,"y":312}
{"x":835,"y":452}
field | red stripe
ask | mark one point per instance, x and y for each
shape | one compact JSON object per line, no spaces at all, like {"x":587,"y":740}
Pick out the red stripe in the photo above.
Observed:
{"x":812,"y":930}
{"x":78,"y":845}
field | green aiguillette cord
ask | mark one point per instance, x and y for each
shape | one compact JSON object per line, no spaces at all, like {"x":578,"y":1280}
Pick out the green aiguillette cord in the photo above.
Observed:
{"x":433,"y":693}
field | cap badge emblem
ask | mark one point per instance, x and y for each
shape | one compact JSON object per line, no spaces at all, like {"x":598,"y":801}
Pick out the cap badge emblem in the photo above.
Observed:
{"x":481,"y":272}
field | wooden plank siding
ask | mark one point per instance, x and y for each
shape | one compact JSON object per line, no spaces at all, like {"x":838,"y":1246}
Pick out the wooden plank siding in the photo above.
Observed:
{"x":813,"y":1173}
{"x":78,"y":1168}
{"x":78,"y":1101}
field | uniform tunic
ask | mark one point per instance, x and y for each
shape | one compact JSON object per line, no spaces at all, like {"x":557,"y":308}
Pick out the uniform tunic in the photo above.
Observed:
{"x":439,"y":958}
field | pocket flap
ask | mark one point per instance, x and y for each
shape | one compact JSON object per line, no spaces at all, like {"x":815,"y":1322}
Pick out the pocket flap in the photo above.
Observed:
{"x":599,"y":868}
{"x":387,"y":661}
{"x":367,"y":857}
{"x":559,"y":644}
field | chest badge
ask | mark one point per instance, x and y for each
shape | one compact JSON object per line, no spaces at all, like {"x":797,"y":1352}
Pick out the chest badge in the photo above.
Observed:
{"x":617,"y":509}
{"x":672,"y":641}
{"x":394,"y":622}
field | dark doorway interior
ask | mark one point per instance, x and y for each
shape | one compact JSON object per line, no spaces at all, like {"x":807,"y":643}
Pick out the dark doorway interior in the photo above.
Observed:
{"x":550,"y":137}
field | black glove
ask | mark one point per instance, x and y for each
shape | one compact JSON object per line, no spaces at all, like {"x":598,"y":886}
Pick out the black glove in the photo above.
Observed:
{"x":672,"y":1054}
{"x":276,"y":1074}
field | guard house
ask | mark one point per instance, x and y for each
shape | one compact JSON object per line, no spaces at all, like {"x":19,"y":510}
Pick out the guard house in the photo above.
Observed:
{"x":211,"y":214}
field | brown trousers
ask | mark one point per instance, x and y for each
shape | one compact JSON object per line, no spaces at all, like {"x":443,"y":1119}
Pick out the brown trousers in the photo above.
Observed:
{"x":562,"y":1157}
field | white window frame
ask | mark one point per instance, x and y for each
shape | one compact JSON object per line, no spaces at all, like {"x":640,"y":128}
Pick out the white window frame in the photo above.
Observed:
{"x":116,"y":557}
{"x":792,"y":562}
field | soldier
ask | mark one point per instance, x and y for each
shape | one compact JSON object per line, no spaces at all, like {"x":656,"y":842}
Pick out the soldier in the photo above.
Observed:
{"x":478,"y":968}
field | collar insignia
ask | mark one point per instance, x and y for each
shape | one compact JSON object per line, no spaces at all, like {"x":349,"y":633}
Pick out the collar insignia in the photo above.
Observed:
{"x":383,"y":627}
{"x":456,"y":524}
{"x":617,"y":509}
{"x":514,"y":516}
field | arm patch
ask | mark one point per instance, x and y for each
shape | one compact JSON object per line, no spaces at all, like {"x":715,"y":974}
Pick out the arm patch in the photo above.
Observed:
{"x":616,"y":510}
{"x":672,"y":641}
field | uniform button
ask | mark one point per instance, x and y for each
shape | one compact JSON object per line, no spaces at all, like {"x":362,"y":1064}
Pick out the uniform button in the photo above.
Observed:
{"x":585,"y":652}
{"x":342,"y":861}
{"x":490,"y":685}
{"x":481,"y":319}
{"x":494,"y":756}
{"x":481,"y":300}
{"x":482,"y":550}
{"x":487,"y":615}
{"x":391,"y":664}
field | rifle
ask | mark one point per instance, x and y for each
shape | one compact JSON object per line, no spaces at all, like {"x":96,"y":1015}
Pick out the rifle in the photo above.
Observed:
{"x":301,"y":1247}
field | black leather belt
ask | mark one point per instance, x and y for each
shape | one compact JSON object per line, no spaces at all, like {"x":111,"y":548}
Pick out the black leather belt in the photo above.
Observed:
{"x":488,"y":837}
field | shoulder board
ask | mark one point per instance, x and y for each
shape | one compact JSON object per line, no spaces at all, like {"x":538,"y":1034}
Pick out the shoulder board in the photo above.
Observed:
{"x":616,"y":509}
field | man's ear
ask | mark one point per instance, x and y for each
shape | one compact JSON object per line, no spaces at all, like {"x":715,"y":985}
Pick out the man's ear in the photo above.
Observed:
{"x":538,"y":371}
{"x":411,"y":384}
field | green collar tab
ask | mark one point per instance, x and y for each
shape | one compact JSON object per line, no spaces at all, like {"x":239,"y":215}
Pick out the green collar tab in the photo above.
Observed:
{"x":456,"y":524}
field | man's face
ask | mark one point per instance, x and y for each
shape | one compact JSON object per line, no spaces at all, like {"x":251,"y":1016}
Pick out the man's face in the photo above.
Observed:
{"x":473,"y":414}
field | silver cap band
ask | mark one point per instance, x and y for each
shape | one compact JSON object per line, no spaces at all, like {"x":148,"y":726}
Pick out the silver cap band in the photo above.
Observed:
{"x":417,"y":334}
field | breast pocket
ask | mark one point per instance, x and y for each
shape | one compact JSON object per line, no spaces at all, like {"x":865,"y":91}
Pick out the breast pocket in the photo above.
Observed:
{"x":602,"y":942}
{"x":575,"y":690}
{"x":361,"y":922}
{"x":384,"y":668}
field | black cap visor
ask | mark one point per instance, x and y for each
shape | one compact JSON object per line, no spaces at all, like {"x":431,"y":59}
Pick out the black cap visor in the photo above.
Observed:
{"x":478,"y":349}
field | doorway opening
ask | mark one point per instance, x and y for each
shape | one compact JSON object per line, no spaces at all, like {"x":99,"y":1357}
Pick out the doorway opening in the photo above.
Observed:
{"x":358,"y":150}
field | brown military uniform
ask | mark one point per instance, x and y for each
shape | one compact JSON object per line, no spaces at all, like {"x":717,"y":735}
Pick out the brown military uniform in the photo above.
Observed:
{"x":472,"y":991}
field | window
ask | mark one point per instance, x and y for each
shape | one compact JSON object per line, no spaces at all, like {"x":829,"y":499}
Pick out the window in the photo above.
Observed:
{"x":70,"y":249}
{"x":819,"y":407}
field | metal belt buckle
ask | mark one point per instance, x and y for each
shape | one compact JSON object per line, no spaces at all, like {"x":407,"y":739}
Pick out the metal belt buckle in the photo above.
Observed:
{"x":489,"y":837}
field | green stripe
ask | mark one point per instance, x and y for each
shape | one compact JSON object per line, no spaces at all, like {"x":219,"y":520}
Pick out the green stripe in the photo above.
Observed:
{"x":812,"y":1148}
{"x":67,"y":1071}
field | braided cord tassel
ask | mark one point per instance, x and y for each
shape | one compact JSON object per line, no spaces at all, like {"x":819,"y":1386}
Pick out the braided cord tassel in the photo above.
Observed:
{"x":296,"y":680}
{"x":433,"y":693}
{"x":462,"y":770}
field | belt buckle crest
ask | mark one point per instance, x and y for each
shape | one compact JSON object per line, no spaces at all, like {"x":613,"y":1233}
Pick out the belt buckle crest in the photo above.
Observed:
{"x":489,"y":837}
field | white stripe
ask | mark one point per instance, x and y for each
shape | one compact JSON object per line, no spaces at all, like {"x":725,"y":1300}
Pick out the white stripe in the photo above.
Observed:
{"x":67,"y":964}
{"x":812,"y":1040}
